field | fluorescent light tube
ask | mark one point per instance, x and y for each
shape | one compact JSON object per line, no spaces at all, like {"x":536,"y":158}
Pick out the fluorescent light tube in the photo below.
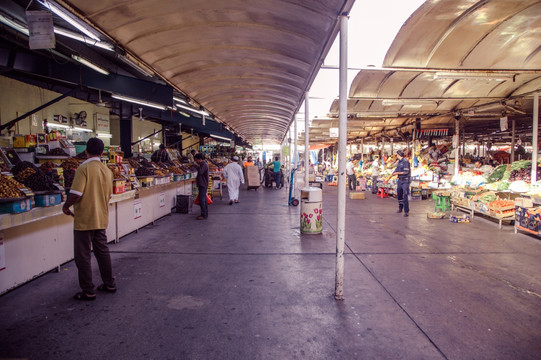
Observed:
{"x":81,"y":129}
{"x":473,"y":76}
{"x":202,"y":112}
{"x":219,"y":137}
{"x":107,"y":136}
{"x":90,"y":64}
{"x":409,"y":102}
{"x":140,"y":102}
{"x":14,"y":24}
{"x":137,"y":65}
{"x":81,"y":38}
{"x":66,"y":15}
{"x":177,"y":99}
{"x":58,"y":126}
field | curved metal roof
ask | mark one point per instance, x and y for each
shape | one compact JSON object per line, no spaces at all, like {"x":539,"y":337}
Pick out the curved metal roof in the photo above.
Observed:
{"x":473,"y":59}
{"x":248,"y":62}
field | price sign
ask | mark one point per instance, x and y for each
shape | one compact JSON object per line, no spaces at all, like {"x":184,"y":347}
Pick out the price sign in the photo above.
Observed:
{"x":137,"y":209}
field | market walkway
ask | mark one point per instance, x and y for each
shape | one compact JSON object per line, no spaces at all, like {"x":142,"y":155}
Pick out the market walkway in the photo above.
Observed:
{"x":246,"y":285}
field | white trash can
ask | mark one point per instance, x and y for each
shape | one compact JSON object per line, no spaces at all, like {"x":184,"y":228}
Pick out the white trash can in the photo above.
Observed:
{"x":311,"y":210}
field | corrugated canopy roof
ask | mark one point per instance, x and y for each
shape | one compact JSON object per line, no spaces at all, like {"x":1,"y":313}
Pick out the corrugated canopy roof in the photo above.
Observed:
{"x":248,"y":62}
{"x":478,"y":60}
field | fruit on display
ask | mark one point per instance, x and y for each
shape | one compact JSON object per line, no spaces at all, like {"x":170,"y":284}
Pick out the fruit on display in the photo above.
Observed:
{"x":10,"y":188}
{"x":175,"y":170}
{"x":22,"y":166}
{"x":144,"y":171}
{"x":38,"y":181}
{"x":499,"y":203}
{"x":57,"y":152}
{"x":70,"y":163}
{"x":116,"y":171}
{"x":69,"y":174}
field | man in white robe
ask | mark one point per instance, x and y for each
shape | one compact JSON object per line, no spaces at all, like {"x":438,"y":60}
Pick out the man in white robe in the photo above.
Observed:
{"x":233,"y":175}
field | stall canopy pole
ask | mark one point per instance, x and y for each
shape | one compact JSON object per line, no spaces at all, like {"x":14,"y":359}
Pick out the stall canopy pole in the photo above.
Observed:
{"x":457,"y":144}
{"x":535,"y":135}
{"x":362,"y":148}
{"x":513,"y":134}
{"x":342,"y":145}
{"x":295,"y":142}
{"x":306,"y":140}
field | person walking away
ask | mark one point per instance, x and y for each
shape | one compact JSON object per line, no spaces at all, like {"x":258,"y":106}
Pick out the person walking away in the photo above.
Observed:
{"x":376,"y":170}
{"x":161,"y":155}
{"x":351,"y":175}
{"x":277,"y":173}
{"x":89,"y":194}
{"x":403,"y":172}
{"x":233,"y":175}
{"x":202,"y":182}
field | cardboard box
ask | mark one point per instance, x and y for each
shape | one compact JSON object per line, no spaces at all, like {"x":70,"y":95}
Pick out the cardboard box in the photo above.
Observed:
{"x":252,"y":176}
{"x":19,"y":141}
{"x":356,"y":195}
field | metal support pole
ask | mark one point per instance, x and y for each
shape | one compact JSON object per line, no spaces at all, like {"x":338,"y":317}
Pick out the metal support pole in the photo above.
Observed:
{"x":306,"y":140}
{"x":535,"y":136}
{"x":342,"y":145}
{"x":513,"y":135}
{"x":457,"y":149}
{"x":295,"y":142}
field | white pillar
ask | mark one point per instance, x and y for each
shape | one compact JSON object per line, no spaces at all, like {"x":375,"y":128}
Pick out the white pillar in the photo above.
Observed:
{"x":306,"y":140}
{"x":535,"y":135}
{"x":295,"y":142}
{"x":513,"y":134}
{"x":457,"y":149}
{"x":342,"y":144}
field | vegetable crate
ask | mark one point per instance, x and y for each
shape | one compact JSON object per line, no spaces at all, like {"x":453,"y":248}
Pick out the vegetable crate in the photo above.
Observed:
{"x":502,"y":212}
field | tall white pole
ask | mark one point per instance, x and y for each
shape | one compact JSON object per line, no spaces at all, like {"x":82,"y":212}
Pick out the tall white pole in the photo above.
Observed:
{"x":295,"y":142}
{"x":535,"y":135}
{"x":457,"y":149}
{"x":513,"y":136}
{"x":306,"y":140}
{"x":342,"y":145}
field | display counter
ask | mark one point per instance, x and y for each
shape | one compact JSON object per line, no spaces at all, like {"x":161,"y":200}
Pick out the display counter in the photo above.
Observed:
{"x":37,"y":241}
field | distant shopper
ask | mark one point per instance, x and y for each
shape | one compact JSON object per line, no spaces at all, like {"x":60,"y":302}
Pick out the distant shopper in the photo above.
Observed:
{"x":202,"y":181}
{"x":233,"y":175}
{"x":161,"y":155}
{"x":351,"y":175}
{"x":277,"y":172}
{"x":402,"y":188}
{"x":89,"y":194}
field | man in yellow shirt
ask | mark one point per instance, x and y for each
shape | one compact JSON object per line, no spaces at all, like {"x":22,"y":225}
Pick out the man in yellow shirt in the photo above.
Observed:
{"x":89,"y":194}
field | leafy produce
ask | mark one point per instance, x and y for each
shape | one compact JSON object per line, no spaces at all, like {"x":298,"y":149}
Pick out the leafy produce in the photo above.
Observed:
{"x":497,"y":174}
{"x":488,"y":197}
{"x":503,"y":185}
{"x":521,"y":164}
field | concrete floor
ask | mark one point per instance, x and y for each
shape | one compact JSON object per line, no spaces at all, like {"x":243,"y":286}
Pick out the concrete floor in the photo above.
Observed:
{"x":245,"y":284}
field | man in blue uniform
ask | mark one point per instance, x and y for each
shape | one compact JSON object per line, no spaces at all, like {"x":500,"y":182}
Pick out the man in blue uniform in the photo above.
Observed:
{"x":402,"y":187}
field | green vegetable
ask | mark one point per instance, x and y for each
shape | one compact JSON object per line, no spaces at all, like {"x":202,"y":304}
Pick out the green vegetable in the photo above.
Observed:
{"x":503,"y":185}
{"x":497,"y":174}
{"x":521,"y":164}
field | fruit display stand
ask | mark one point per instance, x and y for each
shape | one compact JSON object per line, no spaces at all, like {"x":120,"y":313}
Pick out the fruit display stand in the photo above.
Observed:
{"x":469,"y":201}
{"x":40,"y":240}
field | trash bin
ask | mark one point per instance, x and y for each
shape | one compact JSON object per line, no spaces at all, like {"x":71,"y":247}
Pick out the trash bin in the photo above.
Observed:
{"x":184,"y":204}
{"x":311,"y":210}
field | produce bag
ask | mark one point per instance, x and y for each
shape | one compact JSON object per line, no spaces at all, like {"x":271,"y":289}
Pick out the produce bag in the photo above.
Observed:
{"x":196,"y":201}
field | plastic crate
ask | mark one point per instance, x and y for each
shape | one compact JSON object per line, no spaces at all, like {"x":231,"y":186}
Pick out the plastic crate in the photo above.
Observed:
{"x":47,"y":200}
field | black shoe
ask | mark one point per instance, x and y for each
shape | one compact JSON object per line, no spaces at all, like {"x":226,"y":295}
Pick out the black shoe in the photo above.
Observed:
{"x":406,"y":214}
{"x":230,"y":202}
{"x":399,"y":211}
